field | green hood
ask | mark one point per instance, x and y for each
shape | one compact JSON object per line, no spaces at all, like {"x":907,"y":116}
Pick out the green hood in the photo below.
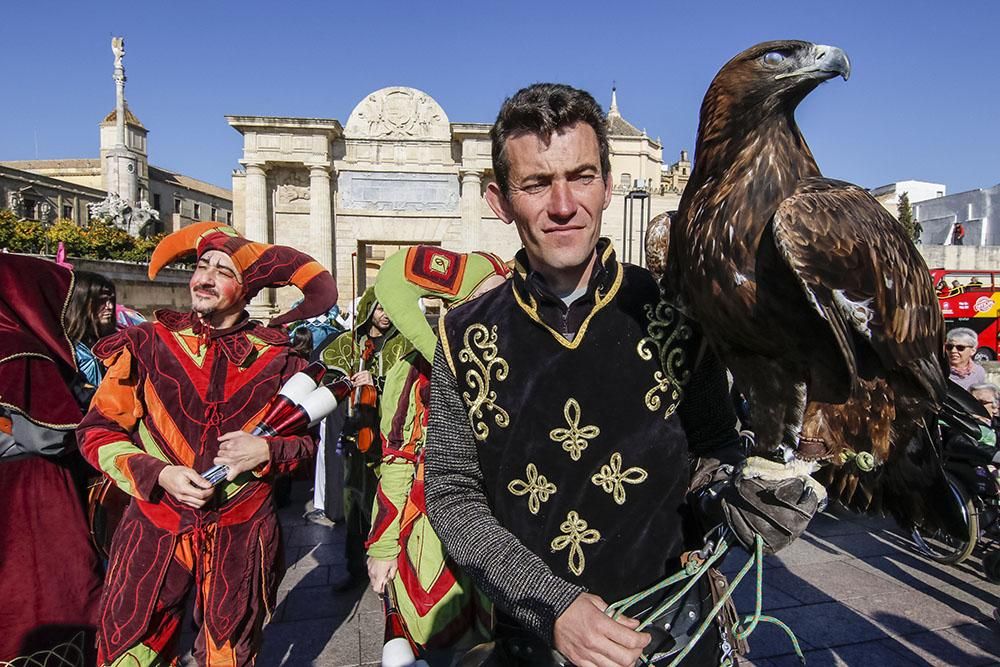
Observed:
{"x":429,"y":271}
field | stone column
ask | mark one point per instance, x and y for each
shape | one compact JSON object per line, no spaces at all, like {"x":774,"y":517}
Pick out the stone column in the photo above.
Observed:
{"x":255,"y":197}
{"x":320,"y":215}
{"x":471,"y":200}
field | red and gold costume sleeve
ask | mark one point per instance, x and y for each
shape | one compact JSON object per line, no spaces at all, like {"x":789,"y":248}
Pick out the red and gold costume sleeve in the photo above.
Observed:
{"x":105,"y":434}
{"x":287,"y":453}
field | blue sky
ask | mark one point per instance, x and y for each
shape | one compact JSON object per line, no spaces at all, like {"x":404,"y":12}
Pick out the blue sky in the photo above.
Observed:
{"x":921,"y":102}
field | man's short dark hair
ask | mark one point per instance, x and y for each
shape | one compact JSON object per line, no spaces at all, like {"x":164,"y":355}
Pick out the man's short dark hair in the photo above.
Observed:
{"x":541,"y":109}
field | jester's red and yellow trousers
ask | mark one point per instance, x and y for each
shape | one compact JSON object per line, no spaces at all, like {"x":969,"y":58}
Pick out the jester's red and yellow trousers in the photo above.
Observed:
{"x":230,"y":561}
{"x":170,"y":391}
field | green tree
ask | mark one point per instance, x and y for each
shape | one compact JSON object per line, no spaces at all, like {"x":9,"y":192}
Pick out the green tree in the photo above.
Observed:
{"x":71,"y":234}
{"x":142,"y":249}
{"x":20,"y":235}
{"x":105,"y":241}
{"x":98,"y":240}
{"x":906,"y":219}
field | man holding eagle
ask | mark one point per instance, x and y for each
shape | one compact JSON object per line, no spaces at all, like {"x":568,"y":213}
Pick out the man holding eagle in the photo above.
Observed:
{"x":803,"y":286}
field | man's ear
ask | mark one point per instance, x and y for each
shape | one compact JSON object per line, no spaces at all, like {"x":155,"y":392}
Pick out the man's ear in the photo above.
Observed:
{"x":608,"y":188}
{"x":498,"y":202}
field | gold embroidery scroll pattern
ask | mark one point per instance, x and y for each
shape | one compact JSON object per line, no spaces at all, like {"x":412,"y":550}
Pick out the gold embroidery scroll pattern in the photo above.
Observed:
{"x":575,"y":533}
{"x":487,"y":367}
{"x":537,"y":488}
{"x":574,"y":439}
{"x":666,"y":331}
{"x":611,"y":478}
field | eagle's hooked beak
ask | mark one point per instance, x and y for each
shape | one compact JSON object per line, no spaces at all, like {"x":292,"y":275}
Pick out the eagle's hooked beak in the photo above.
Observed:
{"x":825,"y":59}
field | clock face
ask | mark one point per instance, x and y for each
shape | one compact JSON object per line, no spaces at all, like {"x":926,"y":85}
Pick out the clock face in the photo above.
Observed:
{"x":131,"y":168}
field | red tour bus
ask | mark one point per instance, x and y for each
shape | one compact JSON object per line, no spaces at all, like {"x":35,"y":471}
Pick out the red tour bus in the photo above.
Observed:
{"x":971,"y":299}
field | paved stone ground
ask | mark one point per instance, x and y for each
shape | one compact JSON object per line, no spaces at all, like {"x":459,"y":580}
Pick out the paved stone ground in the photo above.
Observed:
{"x":852,"y":589}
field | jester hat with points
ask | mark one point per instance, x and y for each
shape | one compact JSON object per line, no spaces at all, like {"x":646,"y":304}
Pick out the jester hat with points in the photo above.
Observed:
{"x":260,"y":265}
{"x":429,"y":271}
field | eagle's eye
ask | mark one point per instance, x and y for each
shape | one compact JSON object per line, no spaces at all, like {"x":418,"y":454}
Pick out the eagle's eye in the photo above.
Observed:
{"x":773,"y":58}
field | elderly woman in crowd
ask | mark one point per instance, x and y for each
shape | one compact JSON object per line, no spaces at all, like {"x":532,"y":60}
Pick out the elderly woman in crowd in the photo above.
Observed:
{"x":960,"y":345}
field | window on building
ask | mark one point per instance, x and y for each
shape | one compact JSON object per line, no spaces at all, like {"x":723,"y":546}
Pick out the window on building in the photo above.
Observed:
{"x":30,"y":209}
{"x":177,"y":206}
{"x":156,"y":202}
{"x":67,"y":211}
{"x":626,"y":180}
{"x":940,"y":193}
{"x":229,"y":217}
{"x":215,"y":214}
{"x":197,"y":211}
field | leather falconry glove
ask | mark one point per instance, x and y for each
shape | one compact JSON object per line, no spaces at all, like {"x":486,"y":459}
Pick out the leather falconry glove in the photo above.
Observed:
{"x":759,"y":497}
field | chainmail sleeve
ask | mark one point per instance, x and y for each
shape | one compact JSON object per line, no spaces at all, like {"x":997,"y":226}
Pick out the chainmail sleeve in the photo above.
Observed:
{"x":502,"y":567}
{"x":707,"y":412}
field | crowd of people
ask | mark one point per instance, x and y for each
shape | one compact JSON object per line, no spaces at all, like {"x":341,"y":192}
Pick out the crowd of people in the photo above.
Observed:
{"x":494,"y":491}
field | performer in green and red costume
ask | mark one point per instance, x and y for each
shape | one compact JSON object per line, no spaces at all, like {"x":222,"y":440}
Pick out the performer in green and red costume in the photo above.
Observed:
{"x":180,"y":395}
{"x":438,"y":604}
{"x":365,"y":355}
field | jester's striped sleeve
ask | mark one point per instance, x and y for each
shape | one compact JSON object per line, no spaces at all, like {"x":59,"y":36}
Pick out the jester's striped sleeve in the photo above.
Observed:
{"x":393,"y":488}
{"x":403,"y":427}
{"x":105,"y":434}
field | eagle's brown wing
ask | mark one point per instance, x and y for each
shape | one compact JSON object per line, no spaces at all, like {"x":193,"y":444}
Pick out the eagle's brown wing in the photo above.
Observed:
{"x":867,"y":281}
{"x":859,"y":269}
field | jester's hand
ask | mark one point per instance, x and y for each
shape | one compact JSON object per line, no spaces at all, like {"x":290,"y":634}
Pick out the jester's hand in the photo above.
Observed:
{"x":241,"y":452}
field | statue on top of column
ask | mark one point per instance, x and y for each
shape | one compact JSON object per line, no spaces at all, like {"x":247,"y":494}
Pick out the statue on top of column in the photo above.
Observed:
{"x":118,"y":47}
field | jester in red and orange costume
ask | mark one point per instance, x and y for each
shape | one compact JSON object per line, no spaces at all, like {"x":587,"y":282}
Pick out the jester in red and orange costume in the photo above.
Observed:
{"x":179,"y":396}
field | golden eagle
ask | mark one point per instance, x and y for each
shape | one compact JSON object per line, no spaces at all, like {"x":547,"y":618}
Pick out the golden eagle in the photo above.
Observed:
{"x":809,"y":291}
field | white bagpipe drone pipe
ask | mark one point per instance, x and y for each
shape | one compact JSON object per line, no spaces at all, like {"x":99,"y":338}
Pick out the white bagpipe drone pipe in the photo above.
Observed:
{"x":398,"y":649}
{"x":301,"y":403}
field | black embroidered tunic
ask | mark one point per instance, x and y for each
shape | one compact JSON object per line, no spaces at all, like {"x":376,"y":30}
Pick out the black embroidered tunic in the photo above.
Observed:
{"x":567,"y":465}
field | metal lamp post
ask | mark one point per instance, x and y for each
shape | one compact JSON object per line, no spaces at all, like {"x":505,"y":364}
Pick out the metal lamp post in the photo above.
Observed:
{"x":639,"y":193}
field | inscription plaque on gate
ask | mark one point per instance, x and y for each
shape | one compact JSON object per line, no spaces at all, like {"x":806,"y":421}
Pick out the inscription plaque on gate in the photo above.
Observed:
{"x":399,"y":192}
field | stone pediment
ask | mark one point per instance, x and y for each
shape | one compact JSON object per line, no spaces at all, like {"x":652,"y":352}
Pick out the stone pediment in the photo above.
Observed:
{"x":398,"y":113}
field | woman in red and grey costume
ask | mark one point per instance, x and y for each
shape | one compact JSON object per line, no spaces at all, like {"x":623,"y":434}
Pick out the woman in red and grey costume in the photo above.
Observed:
{"x":177,"y":394}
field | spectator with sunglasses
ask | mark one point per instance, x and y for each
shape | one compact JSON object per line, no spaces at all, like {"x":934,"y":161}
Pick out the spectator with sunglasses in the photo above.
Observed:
{"x":960,"y":345}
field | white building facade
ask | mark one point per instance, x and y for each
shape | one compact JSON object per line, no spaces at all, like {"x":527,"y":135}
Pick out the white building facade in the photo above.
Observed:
{"x":400,"y":172}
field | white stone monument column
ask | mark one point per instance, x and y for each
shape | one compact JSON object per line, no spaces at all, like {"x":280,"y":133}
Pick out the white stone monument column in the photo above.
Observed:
{"x":255,"y":197}
{"x":256,"y":202}
{"x":472,"y":219}
{"x":320,"y":216}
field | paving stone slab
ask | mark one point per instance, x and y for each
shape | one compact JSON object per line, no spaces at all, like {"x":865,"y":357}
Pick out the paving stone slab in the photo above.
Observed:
{"x":370,"y":601}
{"x":866,"y":654}
{"x":371,"y":630}
{"x":950,"y":583}
{"x":310,"y":642}
{"x":826,"y":582}
{"x":317,"y":602}
{"x":830,"y":624}
{"x":807,"y":549}
{"x":768,"y":640}
{"x":907,"y":612}
{"x":827,"y":524}
{"x":859,"y":545}
{"x":304,"y":577}
{"x":310,"y":534}
{"x":941,"y":648}
{"x":322,"y":554}
{"x":984,"y":636}
{"x":772,"y":598}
